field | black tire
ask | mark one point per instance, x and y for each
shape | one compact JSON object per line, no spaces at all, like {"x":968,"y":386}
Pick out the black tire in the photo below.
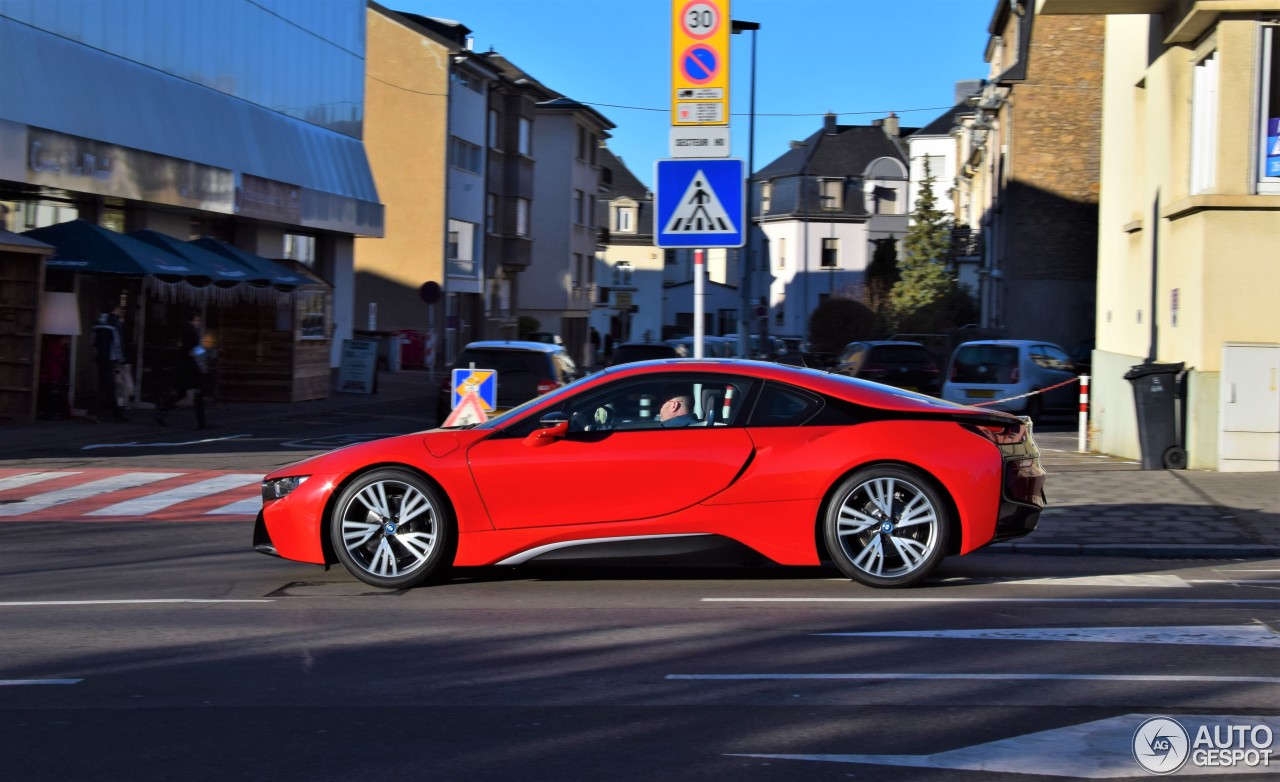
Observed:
{"x":887,"y":526}
{"x":1174,"y":458}
{"x":377,"y":545}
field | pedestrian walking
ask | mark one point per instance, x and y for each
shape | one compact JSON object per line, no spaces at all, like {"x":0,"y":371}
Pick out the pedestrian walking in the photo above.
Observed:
{"x":108,"y":353}
{"x":188,"y":375}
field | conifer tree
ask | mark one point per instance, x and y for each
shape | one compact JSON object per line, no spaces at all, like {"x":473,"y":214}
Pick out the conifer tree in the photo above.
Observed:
{"x":926,"y":281}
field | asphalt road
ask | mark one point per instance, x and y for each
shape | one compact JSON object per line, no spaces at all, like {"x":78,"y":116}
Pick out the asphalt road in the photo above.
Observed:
{"x":170,"y":650}
{"x":167,"y":651}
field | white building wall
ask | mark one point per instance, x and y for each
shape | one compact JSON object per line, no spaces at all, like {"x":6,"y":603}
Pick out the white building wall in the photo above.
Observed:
{"x":544,"y":286}
{"x":944,"y":177}
{"x":797,"y":293}
{"x":646,"y":277}
{"x":468,"y":120}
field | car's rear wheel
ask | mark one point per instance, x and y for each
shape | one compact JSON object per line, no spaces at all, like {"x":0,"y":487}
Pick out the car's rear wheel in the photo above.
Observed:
{"x":390,"y":528}
{"x":886,"y":526}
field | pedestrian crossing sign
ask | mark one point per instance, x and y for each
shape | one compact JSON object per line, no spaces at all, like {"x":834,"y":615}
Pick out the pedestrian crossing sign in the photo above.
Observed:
{"x":701,"y":202}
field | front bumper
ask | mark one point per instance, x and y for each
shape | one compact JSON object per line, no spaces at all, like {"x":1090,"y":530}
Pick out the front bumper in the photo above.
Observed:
{"x":262,"y":538}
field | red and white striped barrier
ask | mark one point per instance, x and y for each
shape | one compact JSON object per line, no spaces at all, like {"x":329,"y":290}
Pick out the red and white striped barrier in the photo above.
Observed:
{"x":1083,"y":380}
{"x":1084,"y":414}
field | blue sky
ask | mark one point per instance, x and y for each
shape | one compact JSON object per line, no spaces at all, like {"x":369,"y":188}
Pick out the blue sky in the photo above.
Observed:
{"x":857,"y":58}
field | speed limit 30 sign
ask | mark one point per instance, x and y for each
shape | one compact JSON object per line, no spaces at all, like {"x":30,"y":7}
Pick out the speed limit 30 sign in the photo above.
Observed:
{"x":700,"y":62}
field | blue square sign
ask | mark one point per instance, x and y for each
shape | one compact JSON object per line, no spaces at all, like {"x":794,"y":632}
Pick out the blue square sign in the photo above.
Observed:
{"x":701,"y":202}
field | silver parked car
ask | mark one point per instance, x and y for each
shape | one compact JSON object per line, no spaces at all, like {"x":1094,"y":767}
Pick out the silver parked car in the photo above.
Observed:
{"x":1004,"y":370}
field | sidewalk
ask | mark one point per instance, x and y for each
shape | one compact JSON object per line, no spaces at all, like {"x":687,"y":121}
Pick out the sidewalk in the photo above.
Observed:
{"x":408,"y":390}
{"x":1092,"y":511}
{"x":1158,"y":513}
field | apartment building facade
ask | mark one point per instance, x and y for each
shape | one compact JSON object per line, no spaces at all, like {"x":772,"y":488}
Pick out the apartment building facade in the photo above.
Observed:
{"x":1189,"y":222}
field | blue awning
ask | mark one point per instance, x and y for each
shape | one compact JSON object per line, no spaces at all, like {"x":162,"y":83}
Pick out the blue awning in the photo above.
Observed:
{"x":220,"y":270}
{"x":85,"y":247}
{"x":277,"y":276}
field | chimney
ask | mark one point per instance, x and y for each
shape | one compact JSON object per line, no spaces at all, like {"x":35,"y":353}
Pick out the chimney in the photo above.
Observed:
{"x":891,"y":125}
{"x":829,"y":124}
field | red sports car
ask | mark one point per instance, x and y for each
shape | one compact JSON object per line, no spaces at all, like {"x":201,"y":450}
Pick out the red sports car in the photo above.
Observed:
{"x":670,"y":456}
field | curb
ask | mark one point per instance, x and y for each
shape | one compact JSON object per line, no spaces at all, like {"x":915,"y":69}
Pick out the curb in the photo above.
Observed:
{"x":1155,"y":551}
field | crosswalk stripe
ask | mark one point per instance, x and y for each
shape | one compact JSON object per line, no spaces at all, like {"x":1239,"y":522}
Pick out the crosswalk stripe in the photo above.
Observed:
{"x":26,"y":479}
{"x":83,"y":491}
{"x":140,"y":506}
{"x":249,"y":507}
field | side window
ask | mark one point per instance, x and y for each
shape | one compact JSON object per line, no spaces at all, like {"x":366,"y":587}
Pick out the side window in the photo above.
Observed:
{"x":1051,"y":357}
{"x":645,"y":403}
{"x":781,"y":405}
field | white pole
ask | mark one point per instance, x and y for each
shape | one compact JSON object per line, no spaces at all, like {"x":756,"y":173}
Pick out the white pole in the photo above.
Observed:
{"x":698,"y":303}
{"x":1084,"y":414}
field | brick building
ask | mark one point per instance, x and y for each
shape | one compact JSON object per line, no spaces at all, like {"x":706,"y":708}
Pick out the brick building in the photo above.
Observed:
{"x":1029,"y":174}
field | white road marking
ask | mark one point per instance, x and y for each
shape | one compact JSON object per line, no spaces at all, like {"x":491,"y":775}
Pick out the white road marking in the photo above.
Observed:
{"x":26,"y":479}
{"x":120,"y":602}
{"x":83,"y":491}
{"x":162,"y":445}
{"x":1122,"y":580}
{"x":1212,"y":635}
{"x":1154,"y":580}
{"x":1179,"y":600}
{"x":140,"y":506}
{"x":248,"y":507}
{"x":994,"y":677}
{"x":1102,"y":749}
{"x":21,"y":682}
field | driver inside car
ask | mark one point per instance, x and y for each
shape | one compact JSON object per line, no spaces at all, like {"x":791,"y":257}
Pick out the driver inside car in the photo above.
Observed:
{"x":677,"y":411}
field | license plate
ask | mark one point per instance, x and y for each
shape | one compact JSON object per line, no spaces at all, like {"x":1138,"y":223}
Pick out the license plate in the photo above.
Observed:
{"x":972,"y":394}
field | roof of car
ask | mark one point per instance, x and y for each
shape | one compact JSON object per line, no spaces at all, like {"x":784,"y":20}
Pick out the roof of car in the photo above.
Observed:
{"x":1008,"y":342}
{"x":513,"y":344}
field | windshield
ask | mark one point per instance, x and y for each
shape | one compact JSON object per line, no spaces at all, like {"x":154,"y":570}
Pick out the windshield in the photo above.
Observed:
{"x":520,"y":410}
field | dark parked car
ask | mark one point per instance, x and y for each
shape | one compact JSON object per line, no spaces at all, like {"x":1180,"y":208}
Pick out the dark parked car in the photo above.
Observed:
{"x":525,"y":370}
{"x":628,"y":352}
{"x":906,"y":365}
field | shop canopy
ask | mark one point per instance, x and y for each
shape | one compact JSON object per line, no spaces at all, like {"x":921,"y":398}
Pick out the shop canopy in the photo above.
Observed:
{"x":85,"y":247}
{"x":217,"y":268}
{"x":281,"y":278}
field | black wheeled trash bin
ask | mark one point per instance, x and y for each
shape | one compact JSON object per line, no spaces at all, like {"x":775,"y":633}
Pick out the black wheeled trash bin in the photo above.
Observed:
{"x":1155,"y":390}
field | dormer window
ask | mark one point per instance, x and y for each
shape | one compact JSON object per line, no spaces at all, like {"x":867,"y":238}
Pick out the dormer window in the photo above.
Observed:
{"x":832,"y":194}
{"x":626,"y":220}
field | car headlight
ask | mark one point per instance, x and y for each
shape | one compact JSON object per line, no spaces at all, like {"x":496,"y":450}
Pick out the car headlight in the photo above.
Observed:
{"x":280,"y":487}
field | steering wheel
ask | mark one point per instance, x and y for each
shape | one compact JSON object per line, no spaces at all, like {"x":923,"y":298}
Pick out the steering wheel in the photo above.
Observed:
{"x":602,"y":419}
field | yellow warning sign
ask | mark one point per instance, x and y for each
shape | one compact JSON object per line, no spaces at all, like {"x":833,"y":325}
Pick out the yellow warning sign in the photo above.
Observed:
{"x":700,"y":62}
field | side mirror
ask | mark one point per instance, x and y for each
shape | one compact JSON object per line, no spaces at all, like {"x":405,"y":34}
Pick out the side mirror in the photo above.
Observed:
{"x":554,"y":427}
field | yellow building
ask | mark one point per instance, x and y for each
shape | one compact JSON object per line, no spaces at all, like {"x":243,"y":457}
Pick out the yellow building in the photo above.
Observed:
{"x":1190,"y":221}
{"x":406,"y":138}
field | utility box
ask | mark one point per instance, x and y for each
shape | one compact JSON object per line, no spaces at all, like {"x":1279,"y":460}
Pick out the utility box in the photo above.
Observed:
{"x":1249,"y":438}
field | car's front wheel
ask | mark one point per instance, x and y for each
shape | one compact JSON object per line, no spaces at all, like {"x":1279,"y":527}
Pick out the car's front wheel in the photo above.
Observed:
{"x":390,"y":528}
{"x":886,"y":526}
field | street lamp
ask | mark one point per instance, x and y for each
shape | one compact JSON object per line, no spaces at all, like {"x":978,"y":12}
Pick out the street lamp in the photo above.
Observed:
{"x":738,"y":26}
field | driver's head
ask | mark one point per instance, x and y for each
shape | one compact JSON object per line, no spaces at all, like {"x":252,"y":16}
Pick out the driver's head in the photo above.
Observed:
{"x":676,"y":405}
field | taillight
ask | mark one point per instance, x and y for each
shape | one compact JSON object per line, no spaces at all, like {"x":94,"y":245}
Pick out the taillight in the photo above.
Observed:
{"x":1024,"y":482}
{"x":1001,"y":434}
{"x":547,"y":386}
{"x":1013,"y":375}
{"x":931,"y":369}
{"x":955,"y":373}
{"x":872,"y":370}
